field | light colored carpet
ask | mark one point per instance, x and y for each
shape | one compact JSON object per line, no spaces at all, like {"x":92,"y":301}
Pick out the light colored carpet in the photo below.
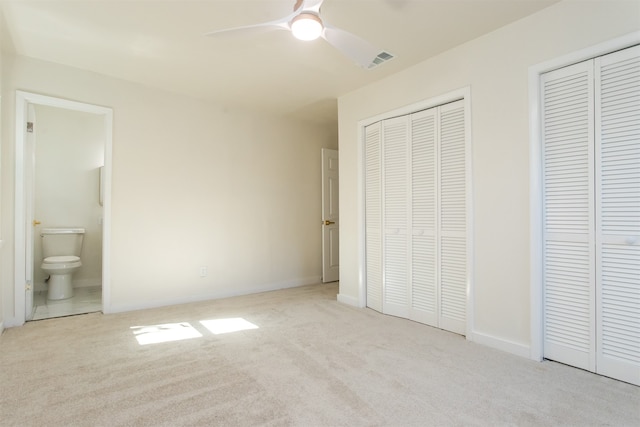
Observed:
{"x":311,"y":362}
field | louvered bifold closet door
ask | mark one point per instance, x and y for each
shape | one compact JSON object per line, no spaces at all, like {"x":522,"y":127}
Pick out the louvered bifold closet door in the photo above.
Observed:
{"x":453,"y":218}
{"x":424,"y":250}
{"x":395,"y":286}
{"x":618,"y":214}
{"x":373,"y":215}
{"x":567,"y":128}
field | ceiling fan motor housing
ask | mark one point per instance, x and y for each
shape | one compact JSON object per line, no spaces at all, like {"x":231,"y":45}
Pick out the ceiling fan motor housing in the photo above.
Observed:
{"x":306,"y":26}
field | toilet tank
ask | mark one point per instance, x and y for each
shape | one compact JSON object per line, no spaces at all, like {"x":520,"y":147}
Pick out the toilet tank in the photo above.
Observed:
{"x":61,"y":241}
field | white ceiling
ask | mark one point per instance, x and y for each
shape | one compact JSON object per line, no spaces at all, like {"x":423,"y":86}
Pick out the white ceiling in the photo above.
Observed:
{"x":161,"y":44}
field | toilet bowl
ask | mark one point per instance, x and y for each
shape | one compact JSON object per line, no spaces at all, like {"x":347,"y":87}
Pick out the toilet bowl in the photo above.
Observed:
{"x":61,"y":249}
{"x":60,"y":270}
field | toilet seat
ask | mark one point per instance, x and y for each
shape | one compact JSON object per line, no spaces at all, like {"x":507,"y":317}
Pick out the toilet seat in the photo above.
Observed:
{"x":60,"y":259}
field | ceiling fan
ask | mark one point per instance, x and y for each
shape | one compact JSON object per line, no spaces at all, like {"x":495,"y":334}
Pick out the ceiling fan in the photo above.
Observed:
{"x":305,"y":23}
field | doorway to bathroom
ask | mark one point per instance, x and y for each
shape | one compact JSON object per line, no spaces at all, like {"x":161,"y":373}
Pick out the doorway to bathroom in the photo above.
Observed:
{"x":63,"y":169}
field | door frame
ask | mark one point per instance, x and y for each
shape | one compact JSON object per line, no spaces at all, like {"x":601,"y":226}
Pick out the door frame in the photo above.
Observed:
{"x":463,"y":94}
{"x":23,"y":193}
{"x":536,"y":349}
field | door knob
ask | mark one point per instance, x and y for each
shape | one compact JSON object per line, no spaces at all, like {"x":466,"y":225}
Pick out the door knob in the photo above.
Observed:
{"x":327,"y":222}
{"x":36,"y":222}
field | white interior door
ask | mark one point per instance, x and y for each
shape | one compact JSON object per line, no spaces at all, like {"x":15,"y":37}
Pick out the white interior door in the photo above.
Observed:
{"x":330,"y":217}
{"x":373,"y":215}
{"x":416,"y":213}
{"x":591,"y":215}
{"x":425,"y":289}
{"x":569,"y":282}
{"x":452,"y":218}
{"x":617,"y":172}
{"x":31,"y":223}
{"x":395,"y":152}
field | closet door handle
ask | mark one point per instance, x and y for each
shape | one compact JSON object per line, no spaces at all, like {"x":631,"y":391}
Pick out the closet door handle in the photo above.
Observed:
{"x":36,"y":222}
{"x":327,"y":222}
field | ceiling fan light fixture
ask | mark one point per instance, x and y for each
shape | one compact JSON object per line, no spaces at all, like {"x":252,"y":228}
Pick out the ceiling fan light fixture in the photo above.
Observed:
{"x":306,"y":26}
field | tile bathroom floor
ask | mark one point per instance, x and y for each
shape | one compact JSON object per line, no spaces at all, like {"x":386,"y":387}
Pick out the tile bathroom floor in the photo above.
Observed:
{"x":84,"y":300}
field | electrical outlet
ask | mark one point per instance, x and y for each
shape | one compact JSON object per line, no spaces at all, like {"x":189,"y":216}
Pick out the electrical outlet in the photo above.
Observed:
{"x":203,"y":271}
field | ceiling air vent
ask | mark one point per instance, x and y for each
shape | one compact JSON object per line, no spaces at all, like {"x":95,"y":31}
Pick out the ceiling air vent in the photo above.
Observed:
{"x":382,"y":57}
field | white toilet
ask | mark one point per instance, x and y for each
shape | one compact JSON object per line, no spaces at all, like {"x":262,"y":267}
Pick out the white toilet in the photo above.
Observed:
{"x":61,"y":249}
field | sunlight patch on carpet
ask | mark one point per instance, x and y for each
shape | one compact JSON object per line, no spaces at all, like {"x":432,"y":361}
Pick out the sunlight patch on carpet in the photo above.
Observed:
{"x":164,"y":333}
{"x":224,"y":326}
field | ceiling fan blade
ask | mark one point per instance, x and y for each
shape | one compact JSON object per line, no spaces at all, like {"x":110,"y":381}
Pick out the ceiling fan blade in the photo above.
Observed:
{"x":360,"y":51}
{"x":311,"y":5}
{"x":280,"y":24}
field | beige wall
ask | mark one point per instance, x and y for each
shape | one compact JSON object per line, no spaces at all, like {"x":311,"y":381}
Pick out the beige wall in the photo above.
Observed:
{"x":69,"y":150}
{"x":3,"y":275}
{"x":194,"y":184}
{"x":495,"y":67}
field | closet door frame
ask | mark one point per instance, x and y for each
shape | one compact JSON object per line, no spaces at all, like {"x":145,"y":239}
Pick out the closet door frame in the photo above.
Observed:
{"x":535,"y":180}
{"x":463,"y":94}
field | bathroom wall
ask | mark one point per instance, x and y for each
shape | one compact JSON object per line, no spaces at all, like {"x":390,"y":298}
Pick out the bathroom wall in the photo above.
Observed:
{"x":69,"y":151}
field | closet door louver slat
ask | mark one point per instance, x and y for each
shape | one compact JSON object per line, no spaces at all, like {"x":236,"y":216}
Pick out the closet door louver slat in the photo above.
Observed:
{"x":395,"y":146}
{"x":568,"y":215}
{"x":373,"y":216}
{"x":452,"y":216}
{"x":424,"y":251}
{"x":618,"y":214}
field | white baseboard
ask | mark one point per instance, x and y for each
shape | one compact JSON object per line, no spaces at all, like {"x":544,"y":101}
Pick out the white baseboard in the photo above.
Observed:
{"x":348,"y":300}
{"x":218,"y":294}
{"x":1,"y":327}
{"x":518,"y":349}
